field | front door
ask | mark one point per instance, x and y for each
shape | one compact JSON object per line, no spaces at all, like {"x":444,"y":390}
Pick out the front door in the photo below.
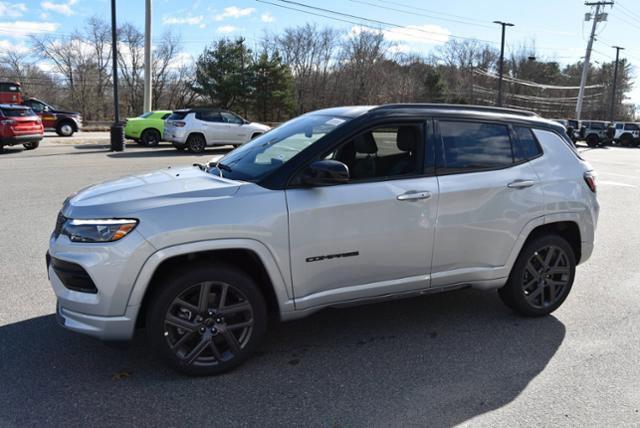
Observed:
{"x":372,"y":236}
{"x":236,"y":132}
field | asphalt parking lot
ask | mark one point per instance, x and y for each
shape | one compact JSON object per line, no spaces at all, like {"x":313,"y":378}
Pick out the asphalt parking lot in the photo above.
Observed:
{"x":440,"y":360}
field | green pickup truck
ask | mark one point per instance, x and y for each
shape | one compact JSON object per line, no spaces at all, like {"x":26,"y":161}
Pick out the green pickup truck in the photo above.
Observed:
{"x":147,"y":128}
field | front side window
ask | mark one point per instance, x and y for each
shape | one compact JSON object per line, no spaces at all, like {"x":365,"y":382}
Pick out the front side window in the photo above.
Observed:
{"x":527,"y":147}
{"x":385,"y":152}
{"x":230,"y":118}
{"x":36,"y":106}
{"x":474,"y":146}
{"x":619,"y":125}
{"x":266,"y":153}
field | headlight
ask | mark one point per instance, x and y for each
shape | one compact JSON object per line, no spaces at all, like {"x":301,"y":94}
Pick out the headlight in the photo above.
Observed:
{"x":97,"y":230}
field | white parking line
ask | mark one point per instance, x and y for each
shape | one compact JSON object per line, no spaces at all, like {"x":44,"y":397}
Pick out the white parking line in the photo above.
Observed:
{"x":615,"y":183}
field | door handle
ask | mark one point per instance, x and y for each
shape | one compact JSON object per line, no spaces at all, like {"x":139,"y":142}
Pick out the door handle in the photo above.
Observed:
{"x":521,"y":184}
{"x":414,"y":195}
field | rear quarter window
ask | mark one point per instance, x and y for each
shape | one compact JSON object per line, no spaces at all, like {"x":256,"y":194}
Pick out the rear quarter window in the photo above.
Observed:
{"x":178,"y":115}
{"x":527,"y":147}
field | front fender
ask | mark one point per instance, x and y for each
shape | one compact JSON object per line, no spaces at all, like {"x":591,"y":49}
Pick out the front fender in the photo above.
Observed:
{"x":283,"y":294}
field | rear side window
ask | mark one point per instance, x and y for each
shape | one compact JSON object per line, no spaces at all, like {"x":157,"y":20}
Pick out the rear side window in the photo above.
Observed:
{"x":178,"y":115}
{"x":527,"y":147}
{"x":474,"y":146}
{"x":631,"y":127}
{"x":17,"y":112}
{"x":166,"y":115}
{"x":208,"y":116}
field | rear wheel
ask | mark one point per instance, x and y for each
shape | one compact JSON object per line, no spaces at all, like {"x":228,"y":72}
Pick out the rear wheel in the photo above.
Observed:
{"x":541,"y":278}
{"x":65,"y":129}
{"x":626,"y":140}
{"x":196,"y":143}
{"x":150,"y":137}
{"x":592,"y":140}
{"x":207,"y":319}
{"x":31,"y":146}
{"x":179,"y":146}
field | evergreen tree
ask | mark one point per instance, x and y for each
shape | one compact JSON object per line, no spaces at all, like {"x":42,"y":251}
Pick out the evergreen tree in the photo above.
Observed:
{"x":272,"y":88}
{"x":223,"y":74}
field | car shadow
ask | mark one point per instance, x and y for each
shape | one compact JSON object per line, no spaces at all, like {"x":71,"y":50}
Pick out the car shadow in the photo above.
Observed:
{"x":438,"y":360}
{"x":144,"y":152}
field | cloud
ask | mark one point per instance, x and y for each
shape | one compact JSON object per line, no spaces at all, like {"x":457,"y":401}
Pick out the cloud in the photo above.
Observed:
{"x":267,"y":17}
{"x":187,"y":20}
{"x":6,"y":45}
{"x":12,"y":10}
{"x":226,"y":29}
{"x":414,"y":34}
{"x":181,"y":59}
{"x":234,"y":12}
{"x":63,"y":8}
{"x":25,"y":28}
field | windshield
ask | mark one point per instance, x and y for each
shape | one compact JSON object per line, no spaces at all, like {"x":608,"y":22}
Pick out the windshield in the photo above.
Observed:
{"x":256,"y":159}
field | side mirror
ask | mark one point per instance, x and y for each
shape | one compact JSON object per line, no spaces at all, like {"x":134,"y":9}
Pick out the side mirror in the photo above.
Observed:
{"x":45,"y":108}
{"x":325,"y":173}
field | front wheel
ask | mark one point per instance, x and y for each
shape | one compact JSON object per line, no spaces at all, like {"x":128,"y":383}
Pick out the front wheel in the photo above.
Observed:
{"x":196,"y":143}
{"x":65,"y":129}
{"x":541,"y":278}
{"x":31,"y":146}
{"x":592,"y":140}
{"x":207,"y":319}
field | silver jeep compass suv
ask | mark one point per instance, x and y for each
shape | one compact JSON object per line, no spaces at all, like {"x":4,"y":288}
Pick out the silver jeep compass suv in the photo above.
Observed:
{"x":337,"y":206}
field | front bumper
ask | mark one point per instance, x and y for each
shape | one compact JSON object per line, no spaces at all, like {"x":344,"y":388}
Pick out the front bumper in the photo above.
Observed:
{"x":20,"y":139}
{"x":113,"y":269}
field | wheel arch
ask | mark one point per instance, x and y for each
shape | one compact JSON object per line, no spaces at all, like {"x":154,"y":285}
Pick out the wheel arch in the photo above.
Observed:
{"x":200,"y":133}
{"x":251,"y":257}
{"x":567,"y":229}
{"x":70,"y":121}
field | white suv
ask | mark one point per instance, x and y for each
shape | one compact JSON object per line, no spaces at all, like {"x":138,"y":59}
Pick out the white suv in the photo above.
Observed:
{"x":195,"y":129}
{"x":339,"y":206}
{"x":627,"y":134}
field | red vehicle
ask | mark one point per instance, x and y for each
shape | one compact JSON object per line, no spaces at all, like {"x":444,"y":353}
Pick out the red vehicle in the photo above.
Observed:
{"x":19,"y":125}
{"x":10,"y":93}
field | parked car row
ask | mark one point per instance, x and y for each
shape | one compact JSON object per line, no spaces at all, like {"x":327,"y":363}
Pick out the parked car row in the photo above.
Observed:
{"x":193,"y":129}
{"x":597,"y":132}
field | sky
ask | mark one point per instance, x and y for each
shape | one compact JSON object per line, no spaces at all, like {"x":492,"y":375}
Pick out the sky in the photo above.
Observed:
{"x":556,"y":27}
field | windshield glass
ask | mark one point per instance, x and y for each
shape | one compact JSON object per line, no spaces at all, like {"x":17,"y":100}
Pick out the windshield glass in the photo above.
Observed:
{"x":259,"y":157}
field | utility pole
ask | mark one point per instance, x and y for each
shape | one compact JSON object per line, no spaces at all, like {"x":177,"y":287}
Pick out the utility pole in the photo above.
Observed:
{"x":117,"y":130}
{"x":612,"y":108}
{"x":147,"y":57}
{"x":597,"y":17}
{"x":501,"y":66}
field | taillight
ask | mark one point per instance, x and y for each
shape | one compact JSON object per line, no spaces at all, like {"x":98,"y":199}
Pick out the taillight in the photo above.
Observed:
{"x":7,"y":122}
{"x":590,"y":179}
{"x":179,"y":124}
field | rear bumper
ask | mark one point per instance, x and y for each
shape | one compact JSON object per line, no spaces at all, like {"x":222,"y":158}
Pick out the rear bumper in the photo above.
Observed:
{"x":20,"y":139}
{"x":175,"y":136}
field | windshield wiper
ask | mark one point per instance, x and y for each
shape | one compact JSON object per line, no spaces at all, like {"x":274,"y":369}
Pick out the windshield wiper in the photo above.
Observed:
{"x":203,"y":167}
{"x":220,"y":166}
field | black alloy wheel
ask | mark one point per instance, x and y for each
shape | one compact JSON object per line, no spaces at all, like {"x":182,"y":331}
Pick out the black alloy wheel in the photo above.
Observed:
{"x":541,"y":278}
{"x":208,"y":320}
{"x":196,"y":143}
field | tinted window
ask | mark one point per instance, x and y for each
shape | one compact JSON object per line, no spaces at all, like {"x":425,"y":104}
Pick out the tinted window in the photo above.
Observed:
{"x":208,"y":116}
{"x":597,"y":125}
{"x":527,"y":147}
{"x":166,"y":115}
{"x":230,"y":117}
{"x":631,"y":127}
{"x":470,"y":146}
{"x":619,"y":126}
{"x":383,"y":152}
{"x":17,"y":112}
{"x":35,"y":106}
{"x":178,"y":115}
{"x":9,"y":87}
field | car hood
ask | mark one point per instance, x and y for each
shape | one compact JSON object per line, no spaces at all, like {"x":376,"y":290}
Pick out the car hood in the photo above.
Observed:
{"x":260,"y":126}
{"x":133,"y":194}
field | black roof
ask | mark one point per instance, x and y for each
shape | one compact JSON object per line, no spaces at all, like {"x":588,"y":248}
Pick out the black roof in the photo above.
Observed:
{"x":355,"y":111}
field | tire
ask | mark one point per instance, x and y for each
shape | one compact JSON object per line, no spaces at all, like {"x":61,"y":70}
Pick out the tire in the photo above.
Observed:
{"x":534,"y":290}
{"x":65,"y":129}
{"x":592,"y":140}
{"x":150,"y":137}
{"x":196,"y":143}
{"x":626,"y":140}
{"x":179,"y":146}
{"x":31,"y":146}
{"x":191,"y":333}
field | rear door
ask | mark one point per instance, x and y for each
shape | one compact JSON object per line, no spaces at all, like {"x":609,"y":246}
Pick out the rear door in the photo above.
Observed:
{"x":488,"y":193}
{"x":212,"y":126}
